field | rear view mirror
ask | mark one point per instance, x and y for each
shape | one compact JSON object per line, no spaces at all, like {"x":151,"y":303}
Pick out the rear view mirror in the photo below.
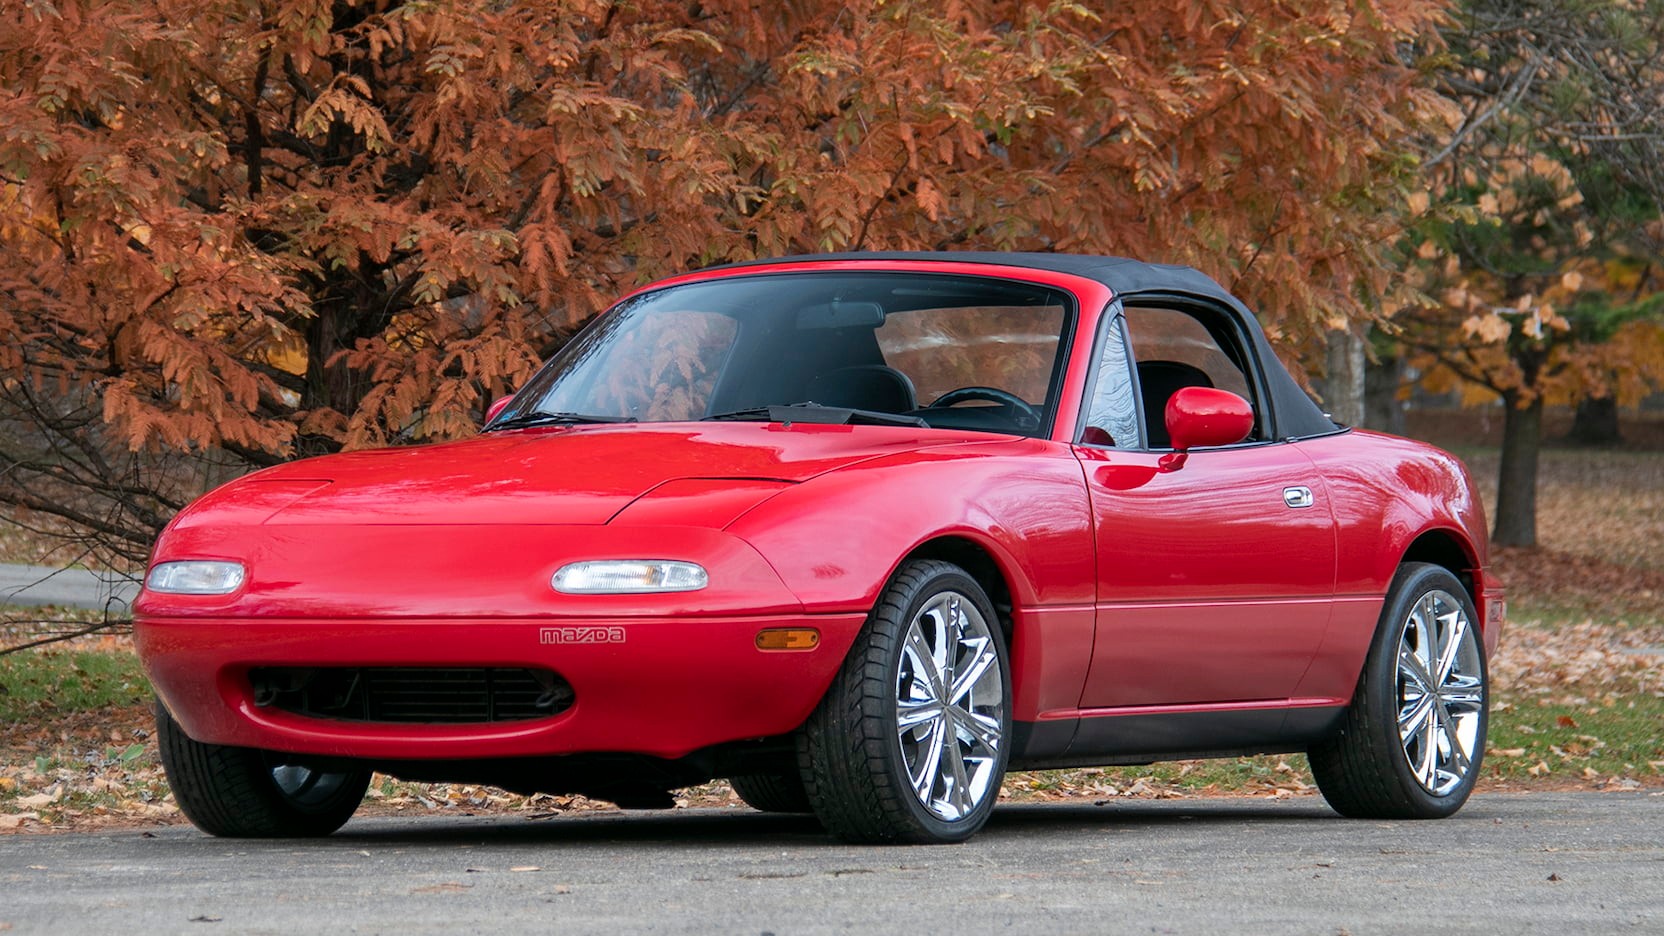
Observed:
{"x":838,"y":314}
{"x":1204,"y":416}
{"x":496,"y":407}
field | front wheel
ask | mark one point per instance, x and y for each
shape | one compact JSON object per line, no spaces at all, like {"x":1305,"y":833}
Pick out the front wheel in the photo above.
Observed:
{"x":911,"y":741}
{"x":238,"y":792}
{"x":1411,"y":742}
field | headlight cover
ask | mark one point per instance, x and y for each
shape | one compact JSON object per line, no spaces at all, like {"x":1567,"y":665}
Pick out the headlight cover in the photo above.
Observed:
{"x":195,"y":577}
{"x":629,"y":577}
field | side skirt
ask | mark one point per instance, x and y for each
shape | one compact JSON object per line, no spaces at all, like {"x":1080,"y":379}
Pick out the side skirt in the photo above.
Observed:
{"x":1133,"y":737}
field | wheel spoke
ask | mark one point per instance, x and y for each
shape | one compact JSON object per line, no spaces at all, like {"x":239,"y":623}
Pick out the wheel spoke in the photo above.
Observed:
{"x":959,"y":787}
{"x":1454,"y":738}
{"x":1428,"y":738}
{"x":982,"y":731}
{"x":966,"y":678}
{"x":1414,"y":712}
{"x":1409,"y":666}
{"x":1456,"y":628}
{"x":912,"y":714}
{"x":925,"y":664}
{"x":1463,"y":695}
{"x":930,"y":761}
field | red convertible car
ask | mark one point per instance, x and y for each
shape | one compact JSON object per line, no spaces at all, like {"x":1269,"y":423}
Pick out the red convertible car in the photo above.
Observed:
{"x":858,"y":533}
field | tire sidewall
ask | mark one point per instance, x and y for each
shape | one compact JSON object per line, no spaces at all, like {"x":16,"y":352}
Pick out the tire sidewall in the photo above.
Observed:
{"x":958,"y":830}
{"x":1410,"y":586}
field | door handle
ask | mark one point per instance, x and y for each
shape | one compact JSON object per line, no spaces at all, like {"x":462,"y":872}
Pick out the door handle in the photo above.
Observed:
{"x":1298,"y":497}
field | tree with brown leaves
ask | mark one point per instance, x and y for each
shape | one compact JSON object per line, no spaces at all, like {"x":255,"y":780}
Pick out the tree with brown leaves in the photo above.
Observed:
{"x":259,"y":229}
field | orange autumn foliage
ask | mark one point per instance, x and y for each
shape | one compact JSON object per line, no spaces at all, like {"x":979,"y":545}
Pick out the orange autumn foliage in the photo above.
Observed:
{"x":286,"y":226}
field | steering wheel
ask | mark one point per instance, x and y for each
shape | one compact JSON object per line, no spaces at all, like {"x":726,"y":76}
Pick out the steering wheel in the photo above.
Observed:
{"x":1022,"y":414}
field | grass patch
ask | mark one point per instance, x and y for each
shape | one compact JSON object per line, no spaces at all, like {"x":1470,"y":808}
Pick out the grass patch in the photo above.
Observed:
{"x":1614,"y":739}
{"x":41,"y":686}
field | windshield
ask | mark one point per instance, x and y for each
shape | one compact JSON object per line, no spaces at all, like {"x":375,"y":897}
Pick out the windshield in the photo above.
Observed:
{"x":953,"y":351}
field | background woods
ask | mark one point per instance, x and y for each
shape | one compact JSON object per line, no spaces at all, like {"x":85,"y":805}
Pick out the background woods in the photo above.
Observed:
{"x":238,"y":232}
{"x":1539,"y":247}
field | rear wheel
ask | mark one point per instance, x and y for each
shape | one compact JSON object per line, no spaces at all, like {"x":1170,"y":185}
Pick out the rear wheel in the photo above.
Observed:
{"x":1411,"y":742}
{"x":911,"y":741}
{"x":776,"y":793}
{"x":248,"y":793}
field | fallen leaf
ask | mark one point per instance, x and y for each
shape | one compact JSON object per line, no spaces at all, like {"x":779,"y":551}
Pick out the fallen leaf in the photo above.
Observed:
{"x":1566,"y":721}
{"x":526,"y":868}
{"x":448,"y":887}
{"x":1555,"y":877}
{"x":14,"y":820}
{"x":41,"y":799}
{"x":206,"y":919}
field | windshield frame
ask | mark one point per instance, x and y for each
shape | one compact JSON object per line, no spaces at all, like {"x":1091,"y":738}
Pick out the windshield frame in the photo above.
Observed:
{"x":538,"y":388}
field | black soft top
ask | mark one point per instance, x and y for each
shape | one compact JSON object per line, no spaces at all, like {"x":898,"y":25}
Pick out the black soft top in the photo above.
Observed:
{"x":1293,"y":413}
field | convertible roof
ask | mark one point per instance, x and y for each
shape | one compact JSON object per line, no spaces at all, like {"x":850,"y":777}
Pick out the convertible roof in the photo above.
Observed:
{"x":1293,"y":415}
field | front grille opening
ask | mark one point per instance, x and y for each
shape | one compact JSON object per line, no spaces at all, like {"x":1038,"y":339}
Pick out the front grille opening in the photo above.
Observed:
{"x":411,"y":694}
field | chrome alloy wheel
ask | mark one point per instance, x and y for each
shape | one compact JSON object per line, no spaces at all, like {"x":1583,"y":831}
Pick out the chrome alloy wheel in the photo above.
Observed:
{"x":1441,"y":692}
{"x":950,"y":699}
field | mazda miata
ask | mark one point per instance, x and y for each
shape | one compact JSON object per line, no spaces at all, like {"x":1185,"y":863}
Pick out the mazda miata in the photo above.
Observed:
{"x":858,"y":533}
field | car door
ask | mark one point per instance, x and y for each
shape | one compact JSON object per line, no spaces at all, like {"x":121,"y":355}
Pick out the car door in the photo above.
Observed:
{"x":1216,"y":577}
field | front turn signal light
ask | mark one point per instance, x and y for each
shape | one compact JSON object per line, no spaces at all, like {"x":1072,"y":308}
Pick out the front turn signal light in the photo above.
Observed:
{"x":629,"y":577}
{"x":195,"y":577}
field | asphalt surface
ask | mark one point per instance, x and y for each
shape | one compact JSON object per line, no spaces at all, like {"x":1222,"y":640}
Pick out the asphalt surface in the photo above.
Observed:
{"x":1537,"y":863}
{"x":66,"y":588}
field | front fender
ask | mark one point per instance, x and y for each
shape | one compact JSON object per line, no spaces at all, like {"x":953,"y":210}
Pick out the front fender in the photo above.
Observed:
{"x":836,"y":540}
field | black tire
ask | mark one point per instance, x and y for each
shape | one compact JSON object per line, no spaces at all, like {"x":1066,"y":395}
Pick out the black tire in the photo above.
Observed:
{"x":776,"y":793}
{"x":1368,"y":770}
{"x":236,"y":792}
{"x":851,"y":754}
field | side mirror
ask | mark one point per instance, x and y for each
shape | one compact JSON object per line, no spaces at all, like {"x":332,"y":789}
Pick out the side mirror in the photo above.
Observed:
{"x":496,"y":407}
{"x":1203,"y":416}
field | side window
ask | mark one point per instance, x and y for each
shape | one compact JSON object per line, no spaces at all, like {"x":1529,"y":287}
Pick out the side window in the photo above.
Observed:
{"x":1112,"y":413}
{"x":1175,"y":349}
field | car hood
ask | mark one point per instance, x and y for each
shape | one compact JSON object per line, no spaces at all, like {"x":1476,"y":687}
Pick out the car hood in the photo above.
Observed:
{"x":476,"y":528}
{"x":577,"y":475}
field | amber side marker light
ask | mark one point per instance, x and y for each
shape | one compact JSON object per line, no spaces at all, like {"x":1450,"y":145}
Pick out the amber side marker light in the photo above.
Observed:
{"x":788,"y":638}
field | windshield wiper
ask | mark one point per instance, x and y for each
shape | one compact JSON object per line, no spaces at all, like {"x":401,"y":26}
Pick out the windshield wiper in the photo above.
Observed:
{"x":528,"y":420}
{"x":816,"y":414}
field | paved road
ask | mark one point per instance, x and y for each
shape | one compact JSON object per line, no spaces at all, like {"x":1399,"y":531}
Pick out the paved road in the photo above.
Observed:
{"x":1542,"y":863}
{"x":68,"y":588}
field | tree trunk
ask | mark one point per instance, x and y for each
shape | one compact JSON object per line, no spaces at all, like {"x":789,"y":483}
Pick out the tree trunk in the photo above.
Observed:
{"x":1382,"y":408}
{"x":1343,"y":385}
{"x":1596,"y":422}
{"x":1516,"y":489}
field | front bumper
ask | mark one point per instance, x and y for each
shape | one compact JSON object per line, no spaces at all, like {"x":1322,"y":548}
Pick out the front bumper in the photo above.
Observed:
{"x":661,"y":687}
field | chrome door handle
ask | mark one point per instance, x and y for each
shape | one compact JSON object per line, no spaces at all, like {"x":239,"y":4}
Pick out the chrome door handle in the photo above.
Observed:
{"x":1298,"y":496}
